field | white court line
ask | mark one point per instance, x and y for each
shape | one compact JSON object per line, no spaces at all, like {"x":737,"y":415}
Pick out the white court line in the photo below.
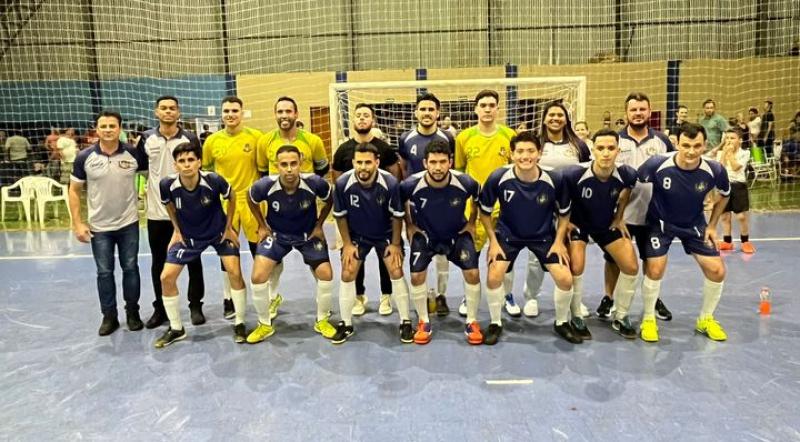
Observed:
{"x":510,"y":382}
{"x":247,"y":251}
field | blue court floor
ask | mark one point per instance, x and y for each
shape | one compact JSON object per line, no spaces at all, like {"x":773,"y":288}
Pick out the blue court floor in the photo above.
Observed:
{"x":60,"y":381}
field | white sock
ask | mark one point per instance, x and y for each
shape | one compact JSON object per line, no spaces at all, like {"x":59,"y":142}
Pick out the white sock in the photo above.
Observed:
{"x":275,"y":279}
{"x":442,"y":273}
{"x":324,"y":299}
{"x":400,"y":296}
{"x":472,"y":292}
{"x":261,"y":302}
{"x":650,"y":291}
{"x":577,"y":295}
{"x":562,"y":300}
{"x":420,"y":298}
{"x":226,"y":286}
{"x":239,"y":304}
{"x":347,"y":299}
{"x":508,"y":283}
{"x":712,"y":291}
{"x":494,"y":297}
{"x":534,"y":278}
{"x":623,"y":294}
{"x":173,"y":312}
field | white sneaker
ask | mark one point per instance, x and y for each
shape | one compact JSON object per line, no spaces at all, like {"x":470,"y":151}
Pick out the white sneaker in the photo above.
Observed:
{"x":584,"y":311}
{"x":511,"y":307}
{"x":462,"y":309}
{"x":360,"y":306}
{"x":531,"y":308}
{"x":385,"y":308}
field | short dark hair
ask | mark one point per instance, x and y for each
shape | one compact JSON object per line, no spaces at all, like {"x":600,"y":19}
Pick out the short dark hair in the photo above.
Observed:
{"x":233,"y":99}
{"x":683,"y":106}
{"x":487,"y":93}
{"x":526,"y":136}
{"x":187,"y":147}
{"x":285,"y":98}
{"x":367,"y":147}
{"x":637,"y":96}
{"x":368,"y":106}
{"x":605,"y":132}
{"x":619,"y":121}
{"x":437,"y":146}
{"x":691,"y":130}
{"x":428,"y":97}
{"x":288,"y":148}
{"x":708,"y":100}
{"x":769,"y":102}
{"x":735,"y":130}
{"x":108,"y":113}
{"x":167,"y":97}
{"x":753,"y":109}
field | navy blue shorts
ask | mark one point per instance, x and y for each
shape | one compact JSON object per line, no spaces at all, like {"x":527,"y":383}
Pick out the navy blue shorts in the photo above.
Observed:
{"x":538,"y":248}
{"x":314,"y":250}
{"x":189,"y":250}
{"x":659,"y":241}
{"x":639,"y":235}
{"x":365,"y":245}
{"x":602,"y":238}
{"x":459,"y":250}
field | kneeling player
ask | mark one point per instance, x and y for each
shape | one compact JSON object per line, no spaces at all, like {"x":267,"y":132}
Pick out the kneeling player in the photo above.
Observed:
{"x":680,"y":184}
{"x":291,"y":222}
{"x":369,"y":215}
{"x":529,"y":199}
{"x":193,"y":203}
{"x":599,"y":192}
{"x":437,"y":226}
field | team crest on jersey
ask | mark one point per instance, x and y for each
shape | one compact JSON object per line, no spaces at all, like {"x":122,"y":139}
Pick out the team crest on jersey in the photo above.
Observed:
{"x":247,"y":148}
{"x":651,"y":150}
{"x":701,"y":186}
{"x":205,"y":201}
{"x":127,"y":164}
{"x":455,"y":202}
{"x":542,"y":199}
{"x":380,"y":199}
{"x":318,"y":246}
{"x":463,"y":255}
{"x":305,"y":204}
{"x":614,"y":193}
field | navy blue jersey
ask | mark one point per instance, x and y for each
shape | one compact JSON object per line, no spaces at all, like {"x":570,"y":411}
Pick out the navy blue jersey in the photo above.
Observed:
{"x":412,"y":146}
{"x":439,"y":212}
{"x":527,"y":210}
{"x":594,"y":202}
{"x":291,"y":216}
{"x":678,"y":194}
{"x":369,"y":210}
{"x":199,"y":211}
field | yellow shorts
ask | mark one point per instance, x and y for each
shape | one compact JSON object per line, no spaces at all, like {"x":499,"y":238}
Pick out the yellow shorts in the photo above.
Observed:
{"x":481,"y":237}
{"x":243,"y":219}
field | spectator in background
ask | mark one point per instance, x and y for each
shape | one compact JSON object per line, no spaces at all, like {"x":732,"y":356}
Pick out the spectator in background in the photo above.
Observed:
{"x":17,"y":149}
{"x":448,"y":126}
{"x":619,"y":124}
{"x":68,"y":149}
{"x":606,"y":120}
{"x":582,"y":130}
{"x":299,"y":124}
{"x":754,"y":125}
{"x":521,"y":127}
{"x":681,"y":117}
{"x":205,"y":134}
{"x":767,"y":136}
{"x":790,"y":155}
{"x":53,"y":154}
{"x":715,"y":124}
{"x":89,"y":138}
{"x":739,"y":123}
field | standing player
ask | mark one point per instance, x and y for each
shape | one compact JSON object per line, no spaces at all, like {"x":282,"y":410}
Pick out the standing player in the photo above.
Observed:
{"x":315,"y":160}
{"x":529,"y":198}
{"x":369,"y":214}
{"x":680,"y":185}
{"x":436,"y":226}
{"x":480,"y":150}
{"x":158,"y":144}
{"x":412,"y":147}
{"x":599,"y":192}
{"x":363,"y":123}
{"x":291,"y":222}
{"x":231,"y":152}
{"x":637,"y":142}
{"x":192,"y":199}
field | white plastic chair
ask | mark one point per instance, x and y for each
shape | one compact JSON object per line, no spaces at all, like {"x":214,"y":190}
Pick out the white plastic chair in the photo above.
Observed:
{"x":43,"y":192}
{"x":26,"y":194}
{"x":765,"y":171}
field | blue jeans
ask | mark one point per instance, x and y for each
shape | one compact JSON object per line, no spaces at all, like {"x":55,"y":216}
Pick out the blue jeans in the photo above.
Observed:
{"x":127,"y":241}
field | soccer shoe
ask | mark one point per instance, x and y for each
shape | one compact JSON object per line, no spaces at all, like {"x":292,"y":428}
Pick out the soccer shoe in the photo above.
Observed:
{"x":441,"y":306}
{"x":748,"y":247}
{"x":261,"y":332}
{"x":662,"y":312}
{"x":462,"y":308}
{"x":580,"y":329}
{"x":239,"y":334}
{"x":325,"y":328}
{"x":624,"y":328}
{"x":473,"y":333}
{"x":711,"y":328}
{"x":511,"y":307}
{"x":604,"y":310}
{"x":197,"y":316}
{"x":406,"y":332}
{"x":109,"y":325}
{"x":531,"y":308}
{"x":228,"y":311}
{"x":360,"y":306}
{"x":134,"y":321}
{"x":170,"y":336}
{"x":492,"y":334}
{"x":584,"y":313}
{"x":343,"y":332}
{"x":273,"y":306}
{"x":423,"y":334}
{"x":565,"y":331}
{"x":385,"y":308}
{"x":159,"y":317}
{"x":648,"y":330}
{"x":723,"y":246}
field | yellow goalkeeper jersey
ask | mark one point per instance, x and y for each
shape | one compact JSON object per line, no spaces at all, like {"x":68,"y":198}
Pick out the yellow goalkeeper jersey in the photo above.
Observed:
{"x":479,"y":155}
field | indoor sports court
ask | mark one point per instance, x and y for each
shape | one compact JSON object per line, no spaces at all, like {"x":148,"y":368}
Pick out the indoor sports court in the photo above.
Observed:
{"x":63,"y":63}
